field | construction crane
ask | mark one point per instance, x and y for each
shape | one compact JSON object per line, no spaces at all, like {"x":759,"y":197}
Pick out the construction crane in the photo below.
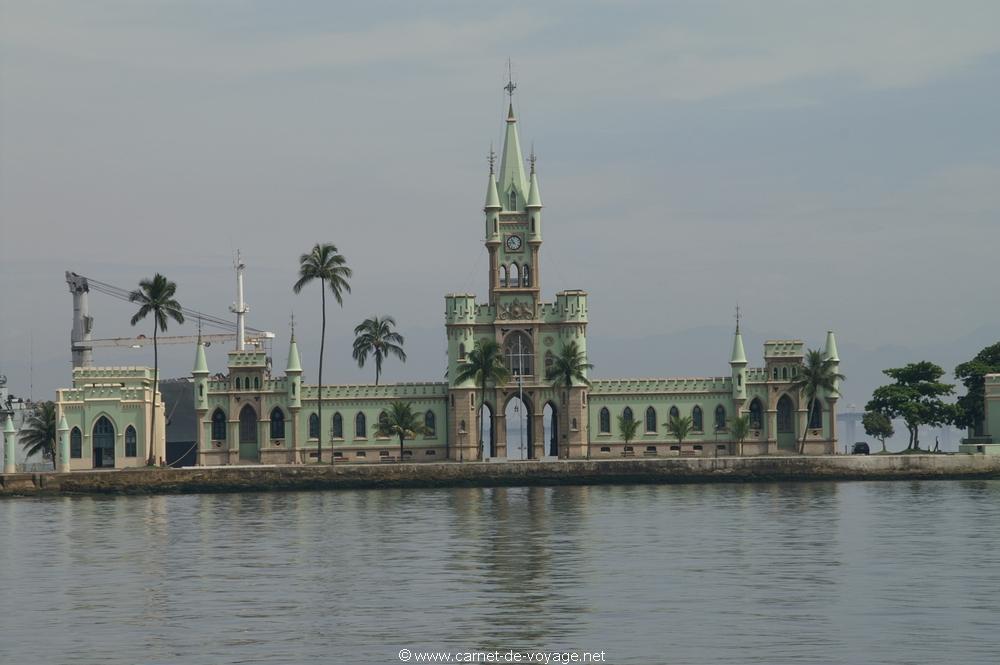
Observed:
{"x":82,"y":344}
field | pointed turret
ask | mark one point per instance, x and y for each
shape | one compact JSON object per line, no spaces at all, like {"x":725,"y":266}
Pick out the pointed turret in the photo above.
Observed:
{"x":739,"y":355}
{"x":738,"y":364}
{"x":830,"y":352}
{"x":9,"y":439}
{"x":62,"y":454}
{"x":534,"y":195}
{"x":512,"y":185}
{"x":200,"y":363}
{"x":492,"y":198}
{"x":294,"y":364}
{"x":293,"y":373}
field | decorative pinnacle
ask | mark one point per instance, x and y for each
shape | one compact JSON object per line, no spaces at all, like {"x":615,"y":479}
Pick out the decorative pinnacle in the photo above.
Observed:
{"x":737,"y":317}
{"x":293,"y":325}
{"x":511,"y":86}
{"x":492,"y":158}
{"x":532,"y":158}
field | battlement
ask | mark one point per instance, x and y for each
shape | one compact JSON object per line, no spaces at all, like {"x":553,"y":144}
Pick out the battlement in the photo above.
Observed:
{"x":130,"y":376}
{"x":381,"y":391}
{"x":104,"y":391}
{"x":710,"y":384}
{"x":784,"y":348}
{"x":248,"y":359}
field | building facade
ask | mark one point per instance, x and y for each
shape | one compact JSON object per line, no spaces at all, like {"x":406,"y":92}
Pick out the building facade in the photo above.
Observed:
{"x":251,"y":415}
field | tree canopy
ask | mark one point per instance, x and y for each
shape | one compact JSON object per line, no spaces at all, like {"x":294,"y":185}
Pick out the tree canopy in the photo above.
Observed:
{"x":970,"y":410}
{"x":915,"y":397}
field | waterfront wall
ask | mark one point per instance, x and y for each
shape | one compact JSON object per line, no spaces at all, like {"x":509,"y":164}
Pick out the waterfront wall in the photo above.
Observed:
{"x":582,"y":472}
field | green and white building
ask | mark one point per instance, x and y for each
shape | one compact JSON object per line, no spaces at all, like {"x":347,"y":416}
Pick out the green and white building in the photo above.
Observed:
{"x":250,"y":414}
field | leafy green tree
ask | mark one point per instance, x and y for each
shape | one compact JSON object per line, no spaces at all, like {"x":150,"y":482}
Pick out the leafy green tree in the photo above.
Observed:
{"x":400,"y":421}
{"x":679,"y":428}
{"x":483,"y":365}
{"x":877,"y":425}
{"x":569,"y":366}
{"x":326,"y":265}
{"x":628,"y":426}
{"x":741,"y":430}
{"x":915,"y":397}
{"x":156,"y":296}
{"x":38,"y":434}
{"x":376,"y":337}
{"x":817,"y":376}
{"x":970,"y":410}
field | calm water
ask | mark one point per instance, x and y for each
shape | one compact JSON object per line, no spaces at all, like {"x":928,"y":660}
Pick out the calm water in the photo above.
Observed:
{"x":792,"y":573}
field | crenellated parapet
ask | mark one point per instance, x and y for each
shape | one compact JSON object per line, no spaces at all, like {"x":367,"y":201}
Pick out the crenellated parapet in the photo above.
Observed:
{"x":711,"y":384}
{"x":389,"y":391}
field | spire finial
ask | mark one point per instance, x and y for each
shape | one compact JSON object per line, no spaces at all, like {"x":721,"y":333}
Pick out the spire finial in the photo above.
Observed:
{"x":532,"y":158}
{"x":293,"y":325}
{"x":492,"y":158}
{"x":737,"y":318}
{"x":511,"y":86}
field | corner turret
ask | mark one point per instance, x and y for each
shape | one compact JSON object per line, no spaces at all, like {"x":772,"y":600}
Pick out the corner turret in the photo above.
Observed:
{"x":830,"y":355}
{"x":200,"y":374}
{"x":293,"y":372}
{"x":738,"y":365}
{"x":534,"y":204}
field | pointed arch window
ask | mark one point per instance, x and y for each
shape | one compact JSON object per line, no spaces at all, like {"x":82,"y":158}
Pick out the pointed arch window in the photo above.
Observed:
{"x":429,"y":423}
{"x":76,"y":443}
{"x":256,"y":383}
{"x":313,"y":426}
{"x":720,"y":417}
{"x":816,"y":415}
{"x":519,"y":354}
{"x":784,"y":372}
{"x":697,"y":422}
{"x":248,"y":425}
{"x":238,"y":383}
{"x":785,"y":408}
{"x":218,"y":425}
{"x":650,"y":420}
{"x":338,"y":426}
{"x":513,"y":199}
{"x":627,"y":413}
{"x":383,"y":425}
{"x":674,"y":413}
{"x":277,"y":423}
{"x":131,"y":445}
{"x":503,"y":276}
{"x":604,"y":421}
{"x":513,"y":277}
{"x":756,"y":414}
{"x":360,"y":426}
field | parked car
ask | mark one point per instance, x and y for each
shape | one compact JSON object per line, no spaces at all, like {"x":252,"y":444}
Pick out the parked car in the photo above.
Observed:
{"x":860,"y":448}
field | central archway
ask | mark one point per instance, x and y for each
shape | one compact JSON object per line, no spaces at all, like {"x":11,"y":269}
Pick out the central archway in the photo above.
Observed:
{"x":248,"y":433}
{"x":517,"y":416}
{"x":104,"y":444}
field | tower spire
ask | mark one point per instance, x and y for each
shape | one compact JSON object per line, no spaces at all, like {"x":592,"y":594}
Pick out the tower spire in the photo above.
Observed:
{"x":512,"y":183}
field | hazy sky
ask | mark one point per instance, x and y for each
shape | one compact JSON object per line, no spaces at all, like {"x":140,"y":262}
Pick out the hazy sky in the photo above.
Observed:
{"x":826,"y":164}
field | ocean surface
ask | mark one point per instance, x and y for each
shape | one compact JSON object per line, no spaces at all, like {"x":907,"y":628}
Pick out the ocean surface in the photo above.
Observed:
{"x":878,"y":572}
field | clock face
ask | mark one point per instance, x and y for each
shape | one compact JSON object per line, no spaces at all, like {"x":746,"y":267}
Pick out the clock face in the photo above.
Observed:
{"x":513,"y":243}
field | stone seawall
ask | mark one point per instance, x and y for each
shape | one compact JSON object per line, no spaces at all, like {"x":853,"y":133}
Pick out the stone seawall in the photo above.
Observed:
{"x":582,"y":472}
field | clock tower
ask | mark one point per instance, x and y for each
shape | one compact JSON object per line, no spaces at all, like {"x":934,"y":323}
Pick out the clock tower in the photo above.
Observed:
{"x":530,"y":333}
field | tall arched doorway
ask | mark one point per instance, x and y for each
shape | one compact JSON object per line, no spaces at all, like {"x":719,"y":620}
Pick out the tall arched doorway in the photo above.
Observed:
{"x":550,"y":429}
{"x":517,"y":416}
{"x":103,"y":440}
{"x":248,"y":434}
{"x":487,"y":433}
{"x":786,"y":423}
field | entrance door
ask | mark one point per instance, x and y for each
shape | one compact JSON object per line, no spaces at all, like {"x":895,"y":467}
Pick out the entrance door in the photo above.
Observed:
{"x":248,"y":434}
{"x":786,"y":424}
{"x":104,"y":444}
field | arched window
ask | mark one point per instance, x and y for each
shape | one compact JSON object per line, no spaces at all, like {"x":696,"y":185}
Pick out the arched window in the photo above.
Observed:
{"x":604,"y":421}
{"x":338,"y":426}
{"x":248,"y":425}
{"x":775,"y":373}
{"x":756,"y":414}
{"x":238,"y":383}
{"x":784,"y":372}
{"x":429,"y":423}
{"x":720,"y":417}
{"x":513,"y":199}
{"x":131,"y":447}
{"x":513,"y":276}
{"x":383,"y":424}
{"x":277,"y":424}
{"x":627,"y":413}
{"x":696,"y":420}
{"x":518,"y":353}
{"x":76,"y":443}
{"x":650,"y":419}
{"x":674,"y":413}
{"x":785,"y":408}
{"x":532,"y":224}
{"x":313,"y":426}
{"x":461,"y":427}
{"x":461,"y":351}
{"x":218,"y":425}
{"x":525,"y":279}
{"x":360,"y":426}
{"x":816,"y":415}
{"x":256,"y":383}
{"x":503,"y":275}
{"x":103,"y":443}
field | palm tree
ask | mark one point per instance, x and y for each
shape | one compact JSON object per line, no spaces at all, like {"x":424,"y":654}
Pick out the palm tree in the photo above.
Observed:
{"x":569,"y":366}
{"x":329,"y":267}
{"x":628,"y":426}
{"x":484,"y":364}
{"x":400,"y":421}
{"x":376,"y":336}
{"x":38,"y":434}
{"x":679,"y":428}
{"x":741,"y":429}
{"x":156,"y":297}
{"x":817,"y":375}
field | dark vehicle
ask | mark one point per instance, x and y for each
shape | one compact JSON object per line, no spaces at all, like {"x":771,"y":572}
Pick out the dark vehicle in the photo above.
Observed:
{"x":860,"y":448}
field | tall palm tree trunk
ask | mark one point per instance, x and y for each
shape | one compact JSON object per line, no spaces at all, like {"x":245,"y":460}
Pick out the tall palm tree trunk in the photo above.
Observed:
{"x":319,"y":378}
{"x":150,"y":456}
